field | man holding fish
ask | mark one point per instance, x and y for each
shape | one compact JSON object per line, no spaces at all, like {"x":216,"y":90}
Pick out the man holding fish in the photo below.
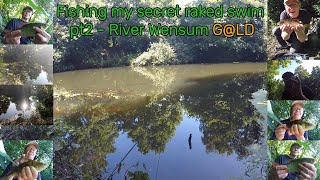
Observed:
{"x":293,"y":128}
{"x":292,"y":27}
{"x":19,"y":31}
{"x":291,"y":167}
{"x":25,"y":168}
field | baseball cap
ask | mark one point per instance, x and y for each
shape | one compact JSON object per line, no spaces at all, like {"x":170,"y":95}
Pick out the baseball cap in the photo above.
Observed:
{"x":32,"y":143}
{"x":285,"y":1}
{"x":298,"y":102}
{"x":28,"y":8}
{"x":296,"y":144}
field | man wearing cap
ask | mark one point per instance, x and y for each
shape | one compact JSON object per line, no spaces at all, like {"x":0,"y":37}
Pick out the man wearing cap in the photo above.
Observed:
{"x":296,"y":132}
{"x":27,"y":173}
{"x":11,"y":34}
{"x":290,"y":33}
{"x":279,"y":169}
{"x":293,"y":90}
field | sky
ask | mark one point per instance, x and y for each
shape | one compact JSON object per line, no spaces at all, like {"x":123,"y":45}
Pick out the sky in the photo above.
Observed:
{"x":182,"y":3}
{"x":307,"y":64}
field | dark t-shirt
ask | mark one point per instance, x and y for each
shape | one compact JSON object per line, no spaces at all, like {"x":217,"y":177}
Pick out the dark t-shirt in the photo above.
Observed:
{"x":284,"y":160}
{"x":286,"y":135}
{"x":15,"y":24}
{"x":307,"y":92}
{"x":9,"y":169}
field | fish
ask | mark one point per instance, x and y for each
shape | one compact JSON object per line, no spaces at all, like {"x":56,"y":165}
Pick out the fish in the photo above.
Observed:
{"x":292,"y":22}
{"x":39,"y":166}
{"x":305,"y":125}
{"x":292,"y":166}
{"x":28,"y":31}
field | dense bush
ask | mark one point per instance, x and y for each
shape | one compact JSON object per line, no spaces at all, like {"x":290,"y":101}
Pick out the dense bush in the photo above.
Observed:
{"x":160,"y":53}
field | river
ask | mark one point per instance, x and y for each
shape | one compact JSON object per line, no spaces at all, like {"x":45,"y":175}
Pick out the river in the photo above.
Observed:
{"x":171,"y":122}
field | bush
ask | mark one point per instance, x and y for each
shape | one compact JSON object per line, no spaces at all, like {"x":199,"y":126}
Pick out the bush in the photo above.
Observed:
{"x":160,"y":53}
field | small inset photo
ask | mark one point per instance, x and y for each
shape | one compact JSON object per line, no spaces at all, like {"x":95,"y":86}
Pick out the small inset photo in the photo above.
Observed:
{"x":293,"y":159}
{"x":293,"y":30}
{"x":23,"y":65}
{"x":26,"y":22}
{"x":293,"y":120}
{"x":26,"y":105}
{"x":293,"y":80}
{"x":25,"y":159}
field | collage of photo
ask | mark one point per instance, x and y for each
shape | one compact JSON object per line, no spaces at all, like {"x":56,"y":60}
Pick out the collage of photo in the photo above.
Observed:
{"x":139,"y":106}
{"x":26,"y":90}
{"x":294,"y":93}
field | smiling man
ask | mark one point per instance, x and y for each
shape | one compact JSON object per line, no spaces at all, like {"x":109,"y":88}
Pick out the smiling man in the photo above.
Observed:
{"x":295,"y":132}
{"x":11,"y":34}
{"x":28,"y":172}
{"x":279,"y":169}
{"x":293,"y":31}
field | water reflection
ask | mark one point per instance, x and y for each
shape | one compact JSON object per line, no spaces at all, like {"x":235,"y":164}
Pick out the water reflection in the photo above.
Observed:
{"x":42,"y":79}
{"x":25,"y":104}
{"x":217,"y":120}
{"x":26,"y":65}
{"x":13,"y":113}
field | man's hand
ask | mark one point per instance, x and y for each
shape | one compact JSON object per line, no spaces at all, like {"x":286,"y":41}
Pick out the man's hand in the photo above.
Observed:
{"x":307,"y":171}
{"x":41,"y":37}
{"x":285,"y":31}
{"x":280,"y":131}
{"x":301,"y":35}
{"x":12,"y":37}
{"x":21,"y":159}
{"x":28,"y":173}
{"x":298,"y":131}
{"x":278,"y":172}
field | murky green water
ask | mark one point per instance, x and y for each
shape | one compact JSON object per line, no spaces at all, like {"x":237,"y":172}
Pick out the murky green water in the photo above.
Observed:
{"x":122,"y":122}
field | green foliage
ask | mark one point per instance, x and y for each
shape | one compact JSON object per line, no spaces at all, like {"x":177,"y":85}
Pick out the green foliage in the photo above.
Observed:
{"x":42,"y":11}
{"x":160,"y":53}
{"x":45,"y":104}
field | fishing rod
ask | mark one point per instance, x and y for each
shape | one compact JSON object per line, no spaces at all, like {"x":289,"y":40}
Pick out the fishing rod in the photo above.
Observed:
{"x":121,"y":161}
{"x":4,"y":154}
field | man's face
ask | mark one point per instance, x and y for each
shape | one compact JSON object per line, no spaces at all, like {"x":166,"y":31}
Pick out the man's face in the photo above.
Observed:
{"x":288,"y":81}
{"x":295,"y":150}
{"x":292,"y":7}
{"x":31,"y":151}
{"x":26,"y":14}
{"x":296,"y":111}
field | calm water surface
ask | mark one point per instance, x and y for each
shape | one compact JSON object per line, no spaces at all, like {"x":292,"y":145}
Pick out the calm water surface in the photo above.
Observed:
{"x":149,"y":114}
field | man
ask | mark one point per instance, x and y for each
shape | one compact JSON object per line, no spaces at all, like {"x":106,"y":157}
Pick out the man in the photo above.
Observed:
{"x":11,"y":34}
{"x":27,"y":173}
{"x":306,"y":170}
{"x":292,"y":33}
{"x":293,"y":89}
{"x":296,"y":132}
